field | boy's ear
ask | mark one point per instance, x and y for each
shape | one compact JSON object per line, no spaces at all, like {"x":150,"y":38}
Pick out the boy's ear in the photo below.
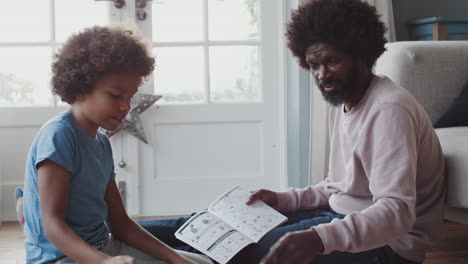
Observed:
{"x":79,"y":98}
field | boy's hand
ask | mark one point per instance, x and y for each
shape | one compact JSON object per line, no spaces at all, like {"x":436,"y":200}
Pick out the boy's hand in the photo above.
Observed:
{"x":120,"y":260}
{"x":298,"y":247}
{"x":267,"y":196}
{"x":184,"y":261}
{"x":181,"y":260}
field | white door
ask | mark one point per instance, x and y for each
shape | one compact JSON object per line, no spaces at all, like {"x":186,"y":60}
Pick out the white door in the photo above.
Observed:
{"x":220,"y":120}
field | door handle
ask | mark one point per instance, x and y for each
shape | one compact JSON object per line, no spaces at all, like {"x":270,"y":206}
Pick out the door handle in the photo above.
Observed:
{"x":117,"y":3}
{"x":140,"y":6}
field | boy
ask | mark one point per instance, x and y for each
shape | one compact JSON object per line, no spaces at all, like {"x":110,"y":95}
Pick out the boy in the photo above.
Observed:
{"x":71,"y":201}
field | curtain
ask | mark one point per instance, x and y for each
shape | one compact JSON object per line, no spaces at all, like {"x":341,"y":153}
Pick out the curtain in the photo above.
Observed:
{"x":385,"y":9}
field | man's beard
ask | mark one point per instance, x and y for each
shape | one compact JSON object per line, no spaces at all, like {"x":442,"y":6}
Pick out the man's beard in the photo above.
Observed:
{"x":344,"y":92}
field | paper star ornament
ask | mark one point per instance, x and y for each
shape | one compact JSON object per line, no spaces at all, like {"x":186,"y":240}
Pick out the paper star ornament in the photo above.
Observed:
{"x":132,"y":122}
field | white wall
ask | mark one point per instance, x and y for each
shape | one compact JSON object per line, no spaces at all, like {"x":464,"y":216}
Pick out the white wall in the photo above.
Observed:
{"x":14,"y":144}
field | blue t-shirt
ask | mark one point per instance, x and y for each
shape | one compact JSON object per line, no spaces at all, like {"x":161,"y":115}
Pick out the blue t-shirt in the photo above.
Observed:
{"x":90,"y":163}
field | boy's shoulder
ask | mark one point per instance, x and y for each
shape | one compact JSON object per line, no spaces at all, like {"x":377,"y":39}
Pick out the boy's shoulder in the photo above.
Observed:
{"x":59,"y":122}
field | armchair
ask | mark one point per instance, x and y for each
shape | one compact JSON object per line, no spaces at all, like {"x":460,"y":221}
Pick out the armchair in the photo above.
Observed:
{"x":435,"y":72}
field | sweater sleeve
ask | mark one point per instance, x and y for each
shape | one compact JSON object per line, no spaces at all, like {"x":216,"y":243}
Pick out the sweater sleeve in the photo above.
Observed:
{"x":301,"y":199}
{"x":388,"y":150}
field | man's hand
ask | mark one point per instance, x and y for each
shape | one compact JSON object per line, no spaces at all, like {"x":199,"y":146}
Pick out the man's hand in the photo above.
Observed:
{"x":119,"y":260}
{"x":267,"y":196}
{"x":298,"y":247}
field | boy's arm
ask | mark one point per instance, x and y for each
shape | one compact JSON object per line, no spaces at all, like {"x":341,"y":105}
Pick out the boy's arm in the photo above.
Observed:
{"x":129,"y":232}
{"x":53,"y":191}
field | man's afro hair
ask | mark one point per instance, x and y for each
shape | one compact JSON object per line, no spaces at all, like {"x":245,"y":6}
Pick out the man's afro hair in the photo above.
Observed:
{"x":350,"y":25}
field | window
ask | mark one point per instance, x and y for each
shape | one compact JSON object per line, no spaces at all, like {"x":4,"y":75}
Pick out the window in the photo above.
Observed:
{"x":30,"y":36}
{"x":207,"y":51}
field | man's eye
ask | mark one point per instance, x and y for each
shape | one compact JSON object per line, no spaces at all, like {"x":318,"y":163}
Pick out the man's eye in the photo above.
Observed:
{"x":333,"y":61}
{"x":313,"y":66}
{"x":116,"y":96}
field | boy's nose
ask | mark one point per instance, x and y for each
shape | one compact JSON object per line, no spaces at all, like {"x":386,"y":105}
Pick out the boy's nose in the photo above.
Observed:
{"x":125,"y":106}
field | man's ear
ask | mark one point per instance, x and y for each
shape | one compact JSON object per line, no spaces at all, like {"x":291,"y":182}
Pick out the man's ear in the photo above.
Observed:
{"x":363,"y":65}
{"x":361,"y":62}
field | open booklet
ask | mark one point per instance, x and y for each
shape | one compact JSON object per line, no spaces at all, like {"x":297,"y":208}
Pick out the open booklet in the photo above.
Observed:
{"x":228,"y":225}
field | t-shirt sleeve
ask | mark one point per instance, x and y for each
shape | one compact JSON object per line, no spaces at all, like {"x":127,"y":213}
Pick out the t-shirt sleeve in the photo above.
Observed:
{"x":107,"y":143}
{"x":389,"y":158}
{"x":57,"y":143}
{"x":112,"y":177}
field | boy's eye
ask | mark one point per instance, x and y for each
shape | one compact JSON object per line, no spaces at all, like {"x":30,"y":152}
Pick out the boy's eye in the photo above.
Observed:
{"x":116,"y":96}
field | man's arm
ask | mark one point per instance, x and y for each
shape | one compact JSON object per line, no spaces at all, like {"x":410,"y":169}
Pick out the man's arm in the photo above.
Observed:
{"x":391,"y":167}
{"x":310,"y":197}
{"x":388,"y":151}
{"x":294,"y":199}
{"x":129,"y":232}
{"x":53,"y":191}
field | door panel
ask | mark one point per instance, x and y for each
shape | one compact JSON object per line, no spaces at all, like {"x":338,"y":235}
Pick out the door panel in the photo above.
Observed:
{"x":219,"y":122}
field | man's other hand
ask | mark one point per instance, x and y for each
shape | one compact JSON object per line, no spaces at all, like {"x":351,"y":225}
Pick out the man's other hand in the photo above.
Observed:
{"x":298,"y":247}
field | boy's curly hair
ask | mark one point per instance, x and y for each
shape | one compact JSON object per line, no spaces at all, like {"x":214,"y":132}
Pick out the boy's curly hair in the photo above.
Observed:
{"x":95,"y":52}
{"x":350,"y":25}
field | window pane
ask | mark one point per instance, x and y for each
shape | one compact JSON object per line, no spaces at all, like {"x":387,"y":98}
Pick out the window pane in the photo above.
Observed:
{"x":25,"y":76}
{"x":72,"y":16}
{"x":234,"y":74}
{"x":179,"y":74}
{"x":177,"y":20}
{"x":22,"y":21}
{"x":232,"y":19}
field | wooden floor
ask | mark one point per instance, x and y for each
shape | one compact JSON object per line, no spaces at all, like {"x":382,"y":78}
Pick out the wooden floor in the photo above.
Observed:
{"x":452,"y":249}
{"x":11,"y":243}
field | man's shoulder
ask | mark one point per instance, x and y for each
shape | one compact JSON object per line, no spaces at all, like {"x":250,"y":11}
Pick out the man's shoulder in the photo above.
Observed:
{"x":385,"y":88}
{"x":387,"y":93}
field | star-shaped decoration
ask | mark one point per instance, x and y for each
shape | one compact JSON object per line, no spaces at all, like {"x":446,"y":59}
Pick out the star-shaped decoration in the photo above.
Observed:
{"x":132,"y":122}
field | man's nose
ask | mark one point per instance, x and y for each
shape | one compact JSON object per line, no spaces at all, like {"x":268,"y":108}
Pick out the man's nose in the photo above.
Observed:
{"x":323,"y":73}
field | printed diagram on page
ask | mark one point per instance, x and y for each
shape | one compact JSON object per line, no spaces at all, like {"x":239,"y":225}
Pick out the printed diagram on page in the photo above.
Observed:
{"x":253,"y":220}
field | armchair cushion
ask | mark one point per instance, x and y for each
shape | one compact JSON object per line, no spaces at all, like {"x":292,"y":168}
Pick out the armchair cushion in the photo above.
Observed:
{"x":457,"y":115}
{"x":434,"y":72}
{"x":453,"y":141}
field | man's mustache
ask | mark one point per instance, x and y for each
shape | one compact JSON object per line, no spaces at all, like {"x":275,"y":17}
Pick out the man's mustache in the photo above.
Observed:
{"x":326,"y":82}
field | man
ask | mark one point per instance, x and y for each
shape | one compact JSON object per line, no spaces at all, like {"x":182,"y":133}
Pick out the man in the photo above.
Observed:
{"x":382,"y":201}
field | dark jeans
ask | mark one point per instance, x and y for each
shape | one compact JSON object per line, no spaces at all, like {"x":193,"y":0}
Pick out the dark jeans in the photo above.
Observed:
{"x":303,"y":220}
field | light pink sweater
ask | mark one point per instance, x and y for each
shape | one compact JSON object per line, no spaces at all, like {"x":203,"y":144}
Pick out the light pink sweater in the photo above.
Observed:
{"x":386,"y":174}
